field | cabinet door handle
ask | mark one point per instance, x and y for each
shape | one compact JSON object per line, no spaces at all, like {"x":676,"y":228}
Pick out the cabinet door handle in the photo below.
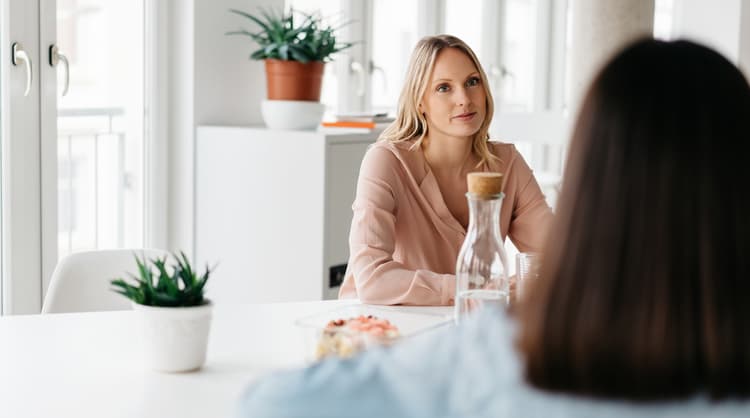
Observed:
{"x":19,"y":55}
{"x":55,"y":56}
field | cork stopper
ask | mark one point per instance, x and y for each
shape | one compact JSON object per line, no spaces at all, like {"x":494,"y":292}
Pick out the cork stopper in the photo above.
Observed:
{"x":485,"y":184}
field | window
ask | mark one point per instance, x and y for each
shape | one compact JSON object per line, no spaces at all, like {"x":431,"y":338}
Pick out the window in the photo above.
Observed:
{"x":394,"y":34}
{"x":461,"y":18}
{"x":78,"y":177}
{"x":515,"y":53}
{"x":519,"y":46}
{"x":101,"y":125}
{"x":663,"y":12}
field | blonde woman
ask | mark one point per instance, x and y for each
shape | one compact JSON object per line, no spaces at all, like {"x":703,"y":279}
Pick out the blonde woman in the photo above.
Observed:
{"x":410,"y":211}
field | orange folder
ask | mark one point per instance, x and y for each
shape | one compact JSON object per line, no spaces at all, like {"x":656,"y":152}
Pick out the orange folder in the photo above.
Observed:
{"x":349,"y":124}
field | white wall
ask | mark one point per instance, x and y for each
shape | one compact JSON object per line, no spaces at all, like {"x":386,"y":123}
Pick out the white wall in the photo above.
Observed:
{"x":211,"y":81}
{"x":744,"y":47}
{"x":229,"y":86}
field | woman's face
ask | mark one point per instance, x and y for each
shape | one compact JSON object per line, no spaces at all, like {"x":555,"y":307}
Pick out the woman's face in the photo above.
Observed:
{"x":454,"y":103}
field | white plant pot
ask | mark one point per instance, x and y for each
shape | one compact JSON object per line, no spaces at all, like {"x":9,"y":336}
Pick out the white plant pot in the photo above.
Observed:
{"x":175,"y":339}
{"x":292,"y":114}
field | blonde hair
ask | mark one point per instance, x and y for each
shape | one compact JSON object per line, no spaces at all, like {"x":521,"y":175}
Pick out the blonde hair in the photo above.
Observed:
{"x":410,"y":123}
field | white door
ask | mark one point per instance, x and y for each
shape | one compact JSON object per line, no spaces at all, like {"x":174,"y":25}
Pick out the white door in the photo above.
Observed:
{"x":73,"y":145}
{"x":21,"y":150}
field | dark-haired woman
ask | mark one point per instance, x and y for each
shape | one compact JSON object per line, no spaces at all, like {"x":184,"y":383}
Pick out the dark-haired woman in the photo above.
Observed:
{"x":641,"y":310}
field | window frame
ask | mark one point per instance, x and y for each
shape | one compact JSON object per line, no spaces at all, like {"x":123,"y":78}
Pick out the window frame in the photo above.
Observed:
{"x":549,"y":56}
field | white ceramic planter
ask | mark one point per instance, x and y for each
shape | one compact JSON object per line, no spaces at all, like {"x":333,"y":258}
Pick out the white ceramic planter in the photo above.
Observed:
{"x":175,"y":339}
{"x":292,"y":114}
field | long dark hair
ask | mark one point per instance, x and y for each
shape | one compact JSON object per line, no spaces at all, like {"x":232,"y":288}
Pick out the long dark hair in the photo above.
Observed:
{"x":645,"y":289}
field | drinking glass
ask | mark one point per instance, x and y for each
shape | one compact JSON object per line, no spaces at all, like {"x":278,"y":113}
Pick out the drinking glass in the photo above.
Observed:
{"x":527,"y":271}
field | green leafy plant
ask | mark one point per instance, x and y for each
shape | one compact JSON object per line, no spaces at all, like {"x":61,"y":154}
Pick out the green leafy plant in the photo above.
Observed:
{"x":282,"y":36}
{"x":156,"y":286}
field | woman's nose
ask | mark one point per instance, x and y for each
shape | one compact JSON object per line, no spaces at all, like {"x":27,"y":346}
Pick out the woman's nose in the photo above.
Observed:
{"x":462,"y":97}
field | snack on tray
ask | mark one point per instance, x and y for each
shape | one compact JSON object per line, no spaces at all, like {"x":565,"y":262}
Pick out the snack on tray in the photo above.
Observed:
{"x":345,"y":337}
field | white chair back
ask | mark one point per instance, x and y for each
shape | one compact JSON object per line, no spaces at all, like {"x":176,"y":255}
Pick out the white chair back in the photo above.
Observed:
{"x":81,"y":281}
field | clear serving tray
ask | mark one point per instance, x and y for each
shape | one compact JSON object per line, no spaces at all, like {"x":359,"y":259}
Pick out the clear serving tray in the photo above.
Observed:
{"x":321,"y":341}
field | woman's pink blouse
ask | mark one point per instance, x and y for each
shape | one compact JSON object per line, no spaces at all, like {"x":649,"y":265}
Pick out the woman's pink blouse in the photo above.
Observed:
{"x":404,"y":241}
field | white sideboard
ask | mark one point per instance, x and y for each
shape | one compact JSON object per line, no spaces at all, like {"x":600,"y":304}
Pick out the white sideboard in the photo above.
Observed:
{"x":274,"y":206}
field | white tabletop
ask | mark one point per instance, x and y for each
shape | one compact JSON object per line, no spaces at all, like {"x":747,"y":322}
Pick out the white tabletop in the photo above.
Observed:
{"x":91,"y":364}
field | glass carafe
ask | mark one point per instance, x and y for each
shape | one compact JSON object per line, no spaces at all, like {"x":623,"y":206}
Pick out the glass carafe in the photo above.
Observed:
{"x":482,"y":267}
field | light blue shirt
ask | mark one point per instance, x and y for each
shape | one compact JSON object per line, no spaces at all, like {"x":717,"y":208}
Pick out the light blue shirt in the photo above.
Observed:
{"x":466,"y":371}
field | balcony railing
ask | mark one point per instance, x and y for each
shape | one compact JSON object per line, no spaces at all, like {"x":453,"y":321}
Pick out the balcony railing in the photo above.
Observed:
{"x":92,"y":180}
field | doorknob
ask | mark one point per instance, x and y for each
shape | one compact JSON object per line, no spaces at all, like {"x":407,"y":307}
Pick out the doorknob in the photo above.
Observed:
{"x":17,"y":55}
{"x":56,"y":56}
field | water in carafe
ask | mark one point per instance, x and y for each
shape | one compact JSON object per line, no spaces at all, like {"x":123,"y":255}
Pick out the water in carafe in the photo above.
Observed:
{"x":481,"y":267}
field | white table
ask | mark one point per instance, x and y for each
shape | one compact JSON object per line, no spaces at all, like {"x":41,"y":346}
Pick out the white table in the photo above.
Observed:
{"x":91,"y":364}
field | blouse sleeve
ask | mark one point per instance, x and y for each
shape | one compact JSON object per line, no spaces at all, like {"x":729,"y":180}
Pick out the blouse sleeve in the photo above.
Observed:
{"x":377,"y":277}
{"x":531,"y":216}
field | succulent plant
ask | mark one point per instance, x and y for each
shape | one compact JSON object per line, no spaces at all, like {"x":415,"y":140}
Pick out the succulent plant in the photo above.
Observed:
{"x":155,"y":285}
{"x":282,"y":37}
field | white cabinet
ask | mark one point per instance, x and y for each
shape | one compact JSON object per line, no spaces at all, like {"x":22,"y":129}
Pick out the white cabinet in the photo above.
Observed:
{"x":273,"y":210}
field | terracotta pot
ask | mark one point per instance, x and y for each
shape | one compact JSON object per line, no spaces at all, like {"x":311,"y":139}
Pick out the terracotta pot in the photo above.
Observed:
{"x":293,"y":80}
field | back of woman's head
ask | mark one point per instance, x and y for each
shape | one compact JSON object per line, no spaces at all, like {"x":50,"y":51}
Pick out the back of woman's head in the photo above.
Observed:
{"x":646,"y":277}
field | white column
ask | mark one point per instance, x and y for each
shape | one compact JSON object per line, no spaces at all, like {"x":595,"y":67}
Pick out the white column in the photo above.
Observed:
{"x":744,"y":55}
{"x":600,"y":28}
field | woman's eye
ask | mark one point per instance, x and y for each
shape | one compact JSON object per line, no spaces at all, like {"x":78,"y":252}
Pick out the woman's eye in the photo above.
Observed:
{"x":474,"y":81}
{"x":442,"y":88}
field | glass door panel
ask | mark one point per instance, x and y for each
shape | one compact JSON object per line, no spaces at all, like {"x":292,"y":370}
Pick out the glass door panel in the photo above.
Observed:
{"x":519,"y":52}
{"x":394,"y":34}
{"x":462,"y":19}
{"x":100,"y":137}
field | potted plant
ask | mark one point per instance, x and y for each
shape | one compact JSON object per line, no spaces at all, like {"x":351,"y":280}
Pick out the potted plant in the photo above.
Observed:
{"x":295,"y":47}
{"x":176,"y":317}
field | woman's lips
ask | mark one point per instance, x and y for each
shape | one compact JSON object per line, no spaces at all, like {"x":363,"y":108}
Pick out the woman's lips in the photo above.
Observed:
{"x":464,"y":117}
